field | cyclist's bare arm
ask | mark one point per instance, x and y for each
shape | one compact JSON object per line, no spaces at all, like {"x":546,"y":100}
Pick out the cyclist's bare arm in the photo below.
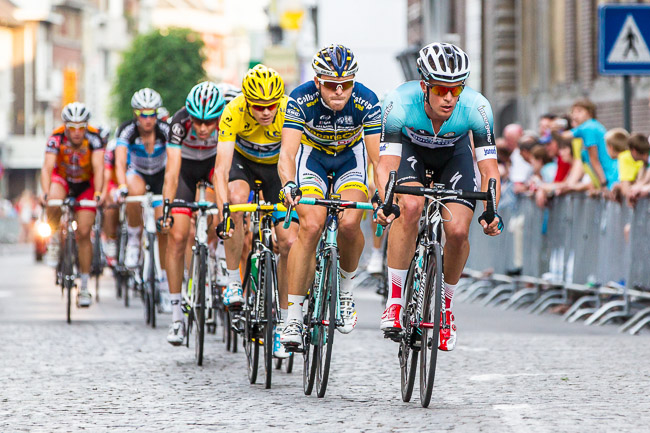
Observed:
{"x":172,"y":171}
{"x":120,"y":164}
{"x":222,"y":171}
{"x":372,"y":145}
{"x":288,"y":151}
{"x":97,"y":160}
{"x":46,"y":172}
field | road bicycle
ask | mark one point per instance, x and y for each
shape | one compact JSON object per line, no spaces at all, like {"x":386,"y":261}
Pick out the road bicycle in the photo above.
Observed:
{"x":194,"y":291}
{"x":150,"y":264}
{"x":323,"y":313}
{"x":66,"y":270}
{"x":124,"y":277}
{"x":261,"y":311}
{"x":424,"y":312}
{"x":98,"y":261}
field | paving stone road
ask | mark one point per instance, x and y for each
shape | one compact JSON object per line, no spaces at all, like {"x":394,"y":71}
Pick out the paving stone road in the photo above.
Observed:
{"x":511,"y":372}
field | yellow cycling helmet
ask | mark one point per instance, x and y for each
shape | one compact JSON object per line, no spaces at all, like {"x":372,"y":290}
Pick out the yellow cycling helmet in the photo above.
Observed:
{"x":262,"y":83}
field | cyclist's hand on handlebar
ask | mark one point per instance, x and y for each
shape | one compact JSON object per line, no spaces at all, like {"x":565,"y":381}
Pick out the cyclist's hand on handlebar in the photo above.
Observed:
{"x":494,"y":228}
{"x":385,"y":215}
{"x":226,"y":228}
{"x":99,"y":198}
{"x":290,"y":194}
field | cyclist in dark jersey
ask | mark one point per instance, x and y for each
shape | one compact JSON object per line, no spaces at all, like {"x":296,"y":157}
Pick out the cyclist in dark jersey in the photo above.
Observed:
{"x":191,"y":152}
{"x":430,"y":124}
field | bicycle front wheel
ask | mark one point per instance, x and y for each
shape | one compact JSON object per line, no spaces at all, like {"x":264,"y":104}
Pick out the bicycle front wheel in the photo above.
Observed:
{"x":327,"y":321}
{"x":268,"y":284}
{"x":251,"y":346}
{"x":430,"y":326}
{"x":68,"y":273}
{"x":150,"y":289}
{"x":198,"y":291}
{"x":408,"y":355}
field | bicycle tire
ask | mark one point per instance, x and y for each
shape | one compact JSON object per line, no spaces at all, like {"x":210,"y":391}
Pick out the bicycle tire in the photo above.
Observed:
{"x":251,"y":348}
{"x":199,"y":305}
{"x":407,"y":355}
{"x":150,"y":292}
{"x":68,"y":273}
{"x":268,"y":284}
{"x":227,"y":330}
{"x":309,"y":364}
{"x":429,"y":336}
{"x":125,"y":293}
{"x":328,"y":312}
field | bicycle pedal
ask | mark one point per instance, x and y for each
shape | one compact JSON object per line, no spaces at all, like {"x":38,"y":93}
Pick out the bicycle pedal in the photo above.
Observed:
{"x":396,"y":336}
{"x":293,"y":349}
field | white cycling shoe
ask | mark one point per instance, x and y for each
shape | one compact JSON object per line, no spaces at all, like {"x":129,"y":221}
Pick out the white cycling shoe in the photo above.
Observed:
{"x":291,"y":336}
{"x":348,"y":313}
{"x":132,"y":255}
{"x":279,"y":350}
{"x":84,"y":298}
{"x":176,"y":333}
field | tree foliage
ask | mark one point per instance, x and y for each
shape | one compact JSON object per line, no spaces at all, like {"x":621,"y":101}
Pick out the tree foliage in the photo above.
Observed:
{"x":169,"y":61}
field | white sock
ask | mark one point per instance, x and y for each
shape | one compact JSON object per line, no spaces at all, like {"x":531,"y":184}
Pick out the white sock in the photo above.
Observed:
{"x":346,"y":280}
{"x":234,"y":276}
{"x":396,"y":278}
{"x":177,"y":313}
{"x":283,"y":314}
{"x":449,"y":294}
{"x":133,"y":235}
{"x":295,"y":308}
{"x":163,"y":275}
{"x":84,"y":281}
{"x":377,"y":251}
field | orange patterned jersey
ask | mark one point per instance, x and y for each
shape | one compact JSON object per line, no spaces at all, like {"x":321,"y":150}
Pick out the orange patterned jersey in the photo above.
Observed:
{"x":74,"y":164}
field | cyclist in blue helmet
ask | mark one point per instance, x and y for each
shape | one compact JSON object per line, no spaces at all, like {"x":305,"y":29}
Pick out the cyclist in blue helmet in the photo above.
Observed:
{"x":331,"y":126}
{"x":191,"y":155}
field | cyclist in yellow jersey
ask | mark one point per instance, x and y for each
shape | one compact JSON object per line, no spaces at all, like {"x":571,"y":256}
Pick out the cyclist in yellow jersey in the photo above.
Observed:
{"x":250,"y":132}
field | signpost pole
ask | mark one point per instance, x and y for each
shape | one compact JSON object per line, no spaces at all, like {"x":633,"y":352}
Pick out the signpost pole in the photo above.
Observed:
{"x":627,"y":102}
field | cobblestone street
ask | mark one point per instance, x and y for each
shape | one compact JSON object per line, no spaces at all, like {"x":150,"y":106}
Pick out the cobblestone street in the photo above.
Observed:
{"x":108,"y":372}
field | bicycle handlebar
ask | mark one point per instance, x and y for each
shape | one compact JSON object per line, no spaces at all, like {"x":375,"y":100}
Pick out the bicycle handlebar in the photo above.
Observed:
{"x":142,"y":198}
{"x":252,"y":207}
{"x":70,"y":201}
{"x":338,"y":204}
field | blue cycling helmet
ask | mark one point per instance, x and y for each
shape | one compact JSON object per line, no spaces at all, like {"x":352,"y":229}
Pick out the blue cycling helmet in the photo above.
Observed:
{"x":204,"y":101}
{"x":335,"y":61}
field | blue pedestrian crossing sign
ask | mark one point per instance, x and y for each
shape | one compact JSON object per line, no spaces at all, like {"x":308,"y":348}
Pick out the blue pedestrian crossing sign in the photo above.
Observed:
{"x":623,"y":39}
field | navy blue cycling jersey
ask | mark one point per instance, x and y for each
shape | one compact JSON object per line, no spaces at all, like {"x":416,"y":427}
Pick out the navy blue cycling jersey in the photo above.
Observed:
{"x":333,"y":131}
{"x":139,"y":159}
{"x":405,"y":121}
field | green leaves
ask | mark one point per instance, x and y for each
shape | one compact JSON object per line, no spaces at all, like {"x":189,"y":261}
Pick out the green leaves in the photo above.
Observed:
{"x":169,"y":61}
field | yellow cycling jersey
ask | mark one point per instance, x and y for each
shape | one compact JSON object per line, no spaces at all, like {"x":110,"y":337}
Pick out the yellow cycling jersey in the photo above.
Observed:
{"x":255,"y":142}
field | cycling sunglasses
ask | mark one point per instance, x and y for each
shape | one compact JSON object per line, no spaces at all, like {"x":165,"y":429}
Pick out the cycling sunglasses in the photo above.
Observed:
{"x":203,"y":122}
{"x":334,"y":85}
{"x":439,"y":90}
{"x":146,"y":113}
{"x":258,"y":107}
{"x":75,"y":126}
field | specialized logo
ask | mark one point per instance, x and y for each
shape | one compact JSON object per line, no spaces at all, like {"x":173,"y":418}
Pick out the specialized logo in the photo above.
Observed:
{"x":454,"y":179}
{"x":413,"y":161}
{"x":177,"y":129}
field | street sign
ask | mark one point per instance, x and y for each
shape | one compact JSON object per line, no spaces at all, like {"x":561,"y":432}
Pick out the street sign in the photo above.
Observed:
{"x":624,"y":39}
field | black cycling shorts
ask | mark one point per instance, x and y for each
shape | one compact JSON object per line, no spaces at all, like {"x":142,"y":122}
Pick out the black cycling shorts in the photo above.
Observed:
{"x":453,"y":167}
{"x":153,"y":181}
{"x":249,"y":171}
{"x":193,"y":171}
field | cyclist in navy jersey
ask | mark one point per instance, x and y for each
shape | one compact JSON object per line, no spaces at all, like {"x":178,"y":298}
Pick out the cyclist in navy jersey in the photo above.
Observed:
{"x":328,"y":124}
{"x":191,"y":154}
{"x":430,"y":124}
{"x":140,"y":157}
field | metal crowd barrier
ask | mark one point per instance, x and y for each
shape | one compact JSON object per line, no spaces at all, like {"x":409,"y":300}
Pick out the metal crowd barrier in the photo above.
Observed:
{"x":9,"y":230}
{"x":579,"y":246}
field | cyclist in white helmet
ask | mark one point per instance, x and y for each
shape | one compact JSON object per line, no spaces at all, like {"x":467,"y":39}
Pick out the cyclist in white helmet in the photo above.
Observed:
{"x":434,"y":123}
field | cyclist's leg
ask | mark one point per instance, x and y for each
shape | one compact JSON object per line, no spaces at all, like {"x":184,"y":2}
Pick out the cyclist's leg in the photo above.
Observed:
{"x":310,"y":177}
{"x":136,"y":185}
{"x":238,"y":191}
{"x":58,"y":190}
{"x":85,"y":219}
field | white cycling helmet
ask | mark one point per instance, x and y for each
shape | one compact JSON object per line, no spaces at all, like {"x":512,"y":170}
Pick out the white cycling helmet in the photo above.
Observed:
{"x":228,"y":91}
{"x":75,"y":112}
{"x":443,"y":62}
{"x":146,"y":98}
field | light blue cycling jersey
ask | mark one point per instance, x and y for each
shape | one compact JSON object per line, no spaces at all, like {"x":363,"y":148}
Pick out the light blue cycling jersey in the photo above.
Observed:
{"x":405,"y":121}
{"x":138,"y":158}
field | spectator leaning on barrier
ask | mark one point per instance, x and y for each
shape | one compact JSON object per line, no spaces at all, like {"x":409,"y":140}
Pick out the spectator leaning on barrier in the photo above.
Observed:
{"x":592,"y":133}
{"x":520,"y":170}
{"x":633,"y":168}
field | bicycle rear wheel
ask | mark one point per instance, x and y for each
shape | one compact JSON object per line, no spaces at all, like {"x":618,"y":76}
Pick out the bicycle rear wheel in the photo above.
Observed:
{"x":198,"y":292}
{"x":327,"y":321}
{"x":430,"y":327}
{"x":251,"y":346}
{"x":408,"y":355}
{"x":268,"y":284}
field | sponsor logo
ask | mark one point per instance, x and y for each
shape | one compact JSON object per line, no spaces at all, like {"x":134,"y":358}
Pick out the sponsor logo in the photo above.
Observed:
{"x":454,"y":179}
{"x":388,"y":109}
{"x":413,"y":161}
{"x":361,"y":103}
{"x":449,"y":134}
{"x":307,"y":98}
{"x":486,"y":123}
{"x":344,"y":120}
{"x":429,"y":140}
{"x":382,"y":147}
{"x":177,"y":129}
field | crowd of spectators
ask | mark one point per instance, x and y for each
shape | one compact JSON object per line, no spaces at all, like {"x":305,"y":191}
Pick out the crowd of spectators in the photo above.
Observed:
{"x":574,"y":152}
